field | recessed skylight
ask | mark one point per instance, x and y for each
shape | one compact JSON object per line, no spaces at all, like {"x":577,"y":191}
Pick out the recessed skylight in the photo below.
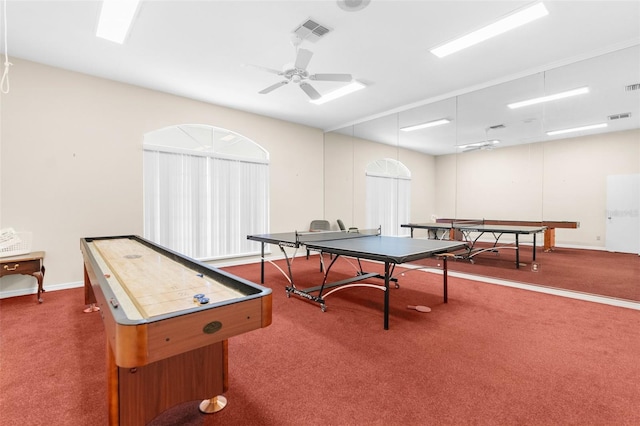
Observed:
{"x":505,"y":24}
{"x":577,"y":129}
{"x":548,"y":98}
{"x":115,"y":20}
{"x":425,"y":125}
{"x":343,"y":91}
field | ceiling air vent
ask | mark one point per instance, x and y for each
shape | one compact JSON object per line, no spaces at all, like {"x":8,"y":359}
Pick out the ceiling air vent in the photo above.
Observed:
{"x":310,"y":30}
{"x":619,"y":116}
{"x":631,"y":87}
{"x":497,"y":126}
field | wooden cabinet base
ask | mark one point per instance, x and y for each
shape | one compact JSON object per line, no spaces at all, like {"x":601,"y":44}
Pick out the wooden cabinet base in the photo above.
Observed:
{"x":138,"y":395}
{"x":25,"y":264}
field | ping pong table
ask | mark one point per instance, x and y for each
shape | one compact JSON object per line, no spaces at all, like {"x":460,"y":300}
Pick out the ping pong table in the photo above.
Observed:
{"x":444,"y":230}
{"x":366,"y":245}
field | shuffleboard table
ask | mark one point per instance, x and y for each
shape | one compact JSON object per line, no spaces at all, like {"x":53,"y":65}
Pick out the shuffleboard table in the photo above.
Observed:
{"x":167,"y":320}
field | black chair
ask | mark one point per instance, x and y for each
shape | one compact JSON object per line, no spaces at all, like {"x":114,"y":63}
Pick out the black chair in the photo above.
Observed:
{"x":344,"y":228}
{"x":320,"y":225}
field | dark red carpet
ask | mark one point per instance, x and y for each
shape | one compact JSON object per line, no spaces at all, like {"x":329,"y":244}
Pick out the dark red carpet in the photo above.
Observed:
{"x":492,"y":355}
{"x":588,"y":271}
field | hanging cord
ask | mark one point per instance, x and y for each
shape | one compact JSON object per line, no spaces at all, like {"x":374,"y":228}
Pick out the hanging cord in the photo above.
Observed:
{"x":4,"y":83}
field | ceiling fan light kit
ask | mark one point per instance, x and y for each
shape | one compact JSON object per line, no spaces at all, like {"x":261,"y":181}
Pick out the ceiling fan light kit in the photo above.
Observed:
{"x":484,"y":145}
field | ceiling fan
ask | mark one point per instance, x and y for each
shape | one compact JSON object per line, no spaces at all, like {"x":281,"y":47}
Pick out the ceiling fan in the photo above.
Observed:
{"x":297,"y":73}
{"x":486,"y":145}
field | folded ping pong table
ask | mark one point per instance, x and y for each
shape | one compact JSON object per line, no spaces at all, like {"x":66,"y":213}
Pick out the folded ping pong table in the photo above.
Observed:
{"x":446,"y":230}
{"x":367,"y":245}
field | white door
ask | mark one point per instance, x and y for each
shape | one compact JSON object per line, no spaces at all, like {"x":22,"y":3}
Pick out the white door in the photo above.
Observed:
{"x":623,"y":218}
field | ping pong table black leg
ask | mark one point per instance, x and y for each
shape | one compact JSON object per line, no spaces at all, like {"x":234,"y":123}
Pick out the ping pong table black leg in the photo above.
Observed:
{"x":517,"y":253}
{"x":262,"y":264}
{"x":444,"y":278}
{"x":387,"y":273}
{"x":534,"y":246}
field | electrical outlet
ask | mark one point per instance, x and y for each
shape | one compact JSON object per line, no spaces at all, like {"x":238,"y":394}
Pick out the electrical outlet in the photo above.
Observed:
{"x":597,"y":237}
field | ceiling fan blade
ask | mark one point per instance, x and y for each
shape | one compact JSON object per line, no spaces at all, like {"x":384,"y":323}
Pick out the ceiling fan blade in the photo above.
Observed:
{"x":331,"y":77}
{"x":309,"y":90}
{"x":473,"y":148}
{"x":273,"y":87}
{"x":482,"y":147}
{"x":303,"y":57}
{"x":258,"y":67}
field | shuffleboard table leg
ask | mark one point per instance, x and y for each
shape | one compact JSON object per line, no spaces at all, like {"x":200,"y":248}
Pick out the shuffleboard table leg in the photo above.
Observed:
{"x":213,"y":405}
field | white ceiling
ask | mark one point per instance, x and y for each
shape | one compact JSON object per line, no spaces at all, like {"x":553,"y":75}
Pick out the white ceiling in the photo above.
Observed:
{"x":198,"y":49}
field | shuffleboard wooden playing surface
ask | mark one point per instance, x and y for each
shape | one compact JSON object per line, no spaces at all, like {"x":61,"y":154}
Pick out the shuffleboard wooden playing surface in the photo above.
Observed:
{"x":156,"y":284}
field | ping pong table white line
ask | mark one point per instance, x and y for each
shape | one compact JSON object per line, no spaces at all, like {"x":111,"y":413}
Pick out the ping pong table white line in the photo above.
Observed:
{"x":345,"y":258}
{"x":342,"y":287}
{"x":290,"y":259}
{"x":280,"y":269}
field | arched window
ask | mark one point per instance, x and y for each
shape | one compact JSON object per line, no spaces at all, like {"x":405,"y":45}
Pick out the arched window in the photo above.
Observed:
{"x":205,"y":190}
{"x":388,"y":196}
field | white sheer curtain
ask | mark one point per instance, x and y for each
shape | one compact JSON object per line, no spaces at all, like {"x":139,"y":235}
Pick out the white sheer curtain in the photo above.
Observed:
{"x":204,"y":206}
{"x":388,"y":196}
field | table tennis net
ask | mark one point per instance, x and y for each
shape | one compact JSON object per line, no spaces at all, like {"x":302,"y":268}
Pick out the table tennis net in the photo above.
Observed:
{"x":466,"y":222}
{"x":334,"y":235}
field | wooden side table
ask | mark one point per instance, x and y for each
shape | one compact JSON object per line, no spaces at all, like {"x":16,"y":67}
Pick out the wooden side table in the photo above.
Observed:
{"x":25,"y":264}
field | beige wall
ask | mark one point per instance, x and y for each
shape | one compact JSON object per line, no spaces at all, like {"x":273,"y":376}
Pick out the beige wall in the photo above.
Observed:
{"x":71,"y":161}
{"x":346,"y":159}
{"x":71,"y":167}
{"x":562,"y":180}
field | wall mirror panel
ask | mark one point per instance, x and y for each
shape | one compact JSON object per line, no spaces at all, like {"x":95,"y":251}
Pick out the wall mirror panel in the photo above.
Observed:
{"x":439,"y":131}
{"x":527,"y":174}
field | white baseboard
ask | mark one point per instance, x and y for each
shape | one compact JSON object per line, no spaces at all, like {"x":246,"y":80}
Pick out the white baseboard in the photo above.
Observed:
{"x":34,"y":290}
{"x":581,"y":247}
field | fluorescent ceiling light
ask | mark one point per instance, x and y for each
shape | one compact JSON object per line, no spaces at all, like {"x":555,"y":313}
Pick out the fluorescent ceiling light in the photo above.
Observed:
{"x":425,"y":125}
{"x":343,"y":91}
{"x":577,"y":129}
{"x":483,"y":143}
{"x":548,"y":98}
{"x":115,"y":20}
{"x":510,"y":22}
